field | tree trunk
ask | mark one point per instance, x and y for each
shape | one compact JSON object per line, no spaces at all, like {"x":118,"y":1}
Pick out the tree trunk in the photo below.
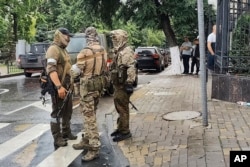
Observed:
{"x":15,"y":20}
{"x":168,"y":31}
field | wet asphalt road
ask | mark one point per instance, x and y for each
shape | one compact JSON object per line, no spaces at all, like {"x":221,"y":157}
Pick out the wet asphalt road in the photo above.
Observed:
{"x":19,"y":107}
{"x":16,"y":94}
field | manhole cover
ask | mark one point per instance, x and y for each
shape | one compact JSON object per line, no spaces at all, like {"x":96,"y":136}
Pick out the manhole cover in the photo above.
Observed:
{"x":181,"y":115}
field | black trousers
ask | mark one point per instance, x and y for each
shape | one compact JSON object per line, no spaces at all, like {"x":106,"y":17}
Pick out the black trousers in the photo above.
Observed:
{"x":185,"y":59}
{"x":196,"y":62}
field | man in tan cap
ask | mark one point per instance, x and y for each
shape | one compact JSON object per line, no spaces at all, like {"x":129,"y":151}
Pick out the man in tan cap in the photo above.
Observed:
{"x":58,"y":69}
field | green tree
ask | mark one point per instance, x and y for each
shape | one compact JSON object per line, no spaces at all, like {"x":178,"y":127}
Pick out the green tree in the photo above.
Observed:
{"x":3,"y":29}
{"x":21,"y":14}
{"x":175,"y":18}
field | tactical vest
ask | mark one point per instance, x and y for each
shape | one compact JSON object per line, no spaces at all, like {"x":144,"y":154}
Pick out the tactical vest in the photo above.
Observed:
{"x":96,"y":82}
{"x":118,"y":73}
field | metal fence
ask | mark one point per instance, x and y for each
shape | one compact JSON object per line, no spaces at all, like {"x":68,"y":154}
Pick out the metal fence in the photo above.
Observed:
{"x":233,"y":37}
{"x":9,"y":67}
{"x":12,"y":68}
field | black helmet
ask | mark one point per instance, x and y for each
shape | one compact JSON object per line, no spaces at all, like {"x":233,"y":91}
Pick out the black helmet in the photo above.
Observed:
{"x":65,"y":31}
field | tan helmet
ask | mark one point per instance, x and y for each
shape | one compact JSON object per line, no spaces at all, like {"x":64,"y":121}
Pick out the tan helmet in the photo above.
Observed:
{"x":119,"y":38}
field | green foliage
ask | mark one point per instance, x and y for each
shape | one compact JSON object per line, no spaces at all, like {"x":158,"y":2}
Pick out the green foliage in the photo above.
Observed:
{"x":42,"y":34}
{"x":240,"y":45}
{"x":101,"y":10}
{"x":145,"y":20}
{"x":72,"y":16}
{"x":3,"y":30}
{"x":20,"y":15}
{"x":155,"y":38}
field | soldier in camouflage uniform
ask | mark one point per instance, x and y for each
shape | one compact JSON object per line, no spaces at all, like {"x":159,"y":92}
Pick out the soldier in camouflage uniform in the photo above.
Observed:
{"x":123,"y":75}
{"x":90,"y":66}
{"x":58,"y":68}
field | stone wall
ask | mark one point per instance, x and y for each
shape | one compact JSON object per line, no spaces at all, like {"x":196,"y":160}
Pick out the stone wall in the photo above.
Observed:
{"x":230,"y":88}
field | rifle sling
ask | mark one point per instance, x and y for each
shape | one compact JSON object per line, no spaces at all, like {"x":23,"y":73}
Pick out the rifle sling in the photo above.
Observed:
{"x":90,"y":57}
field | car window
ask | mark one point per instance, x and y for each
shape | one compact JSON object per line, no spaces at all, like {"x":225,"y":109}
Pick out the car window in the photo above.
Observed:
{"x":39,"y":48}
{"x":76,"y":44}
{"x":145,"y":50}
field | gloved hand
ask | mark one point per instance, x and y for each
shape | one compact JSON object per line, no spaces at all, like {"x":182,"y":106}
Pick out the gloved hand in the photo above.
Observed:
{"x":129,"y":88}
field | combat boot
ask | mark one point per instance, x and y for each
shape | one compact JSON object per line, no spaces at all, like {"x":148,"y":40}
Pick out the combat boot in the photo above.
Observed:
{"x":60,"y":142}
{"x":84,"y":143}
{"x":69,"y":136}
{"x":115,"y":133}
{"x":122,"y":136}
{"x":66,"y":132}
{"x":55,"y":130}
{"x":91,"y":155}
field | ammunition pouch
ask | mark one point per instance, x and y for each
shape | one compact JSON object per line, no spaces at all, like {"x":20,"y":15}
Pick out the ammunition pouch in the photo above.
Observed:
{"x":95,"y":83}
{"x":119,"y":76}
{"x":114,"y":76}
{"x":105,"y":80}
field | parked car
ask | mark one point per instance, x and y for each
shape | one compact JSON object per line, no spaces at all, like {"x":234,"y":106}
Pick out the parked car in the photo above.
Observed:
{"x":149,"y":58}
{"x":33,"y":61}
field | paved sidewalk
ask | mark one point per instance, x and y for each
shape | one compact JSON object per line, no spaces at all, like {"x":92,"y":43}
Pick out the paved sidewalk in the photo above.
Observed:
{"x":183,"y":143}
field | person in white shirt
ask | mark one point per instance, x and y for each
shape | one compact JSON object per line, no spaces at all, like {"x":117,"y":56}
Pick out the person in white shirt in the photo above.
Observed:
{"x":211,"y":40}
{"x":186,"y":50}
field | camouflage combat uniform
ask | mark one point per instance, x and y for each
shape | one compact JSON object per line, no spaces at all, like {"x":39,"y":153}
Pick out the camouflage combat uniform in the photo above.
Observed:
{"x":92,"y":63}
{"x":123,"y":74}
{"x":58,"y":60}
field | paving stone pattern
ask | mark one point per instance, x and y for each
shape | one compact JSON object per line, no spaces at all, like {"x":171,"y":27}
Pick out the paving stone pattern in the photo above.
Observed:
{"x":157,"y":142}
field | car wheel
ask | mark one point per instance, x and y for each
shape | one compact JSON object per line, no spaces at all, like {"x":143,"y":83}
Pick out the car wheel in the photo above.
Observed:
{"x":27,"y":74}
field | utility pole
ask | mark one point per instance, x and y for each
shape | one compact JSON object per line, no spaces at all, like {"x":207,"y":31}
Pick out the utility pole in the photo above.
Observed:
{"x":202,"y":62}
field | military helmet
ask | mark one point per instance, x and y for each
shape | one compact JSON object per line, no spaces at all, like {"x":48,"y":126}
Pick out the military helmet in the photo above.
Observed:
{"x":90,"y":31}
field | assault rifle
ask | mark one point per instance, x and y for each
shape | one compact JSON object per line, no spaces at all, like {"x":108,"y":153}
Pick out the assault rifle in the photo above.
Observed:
{"x":133,"y":106}
{"x":47,"y":87}
{"x":65,"y":100}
